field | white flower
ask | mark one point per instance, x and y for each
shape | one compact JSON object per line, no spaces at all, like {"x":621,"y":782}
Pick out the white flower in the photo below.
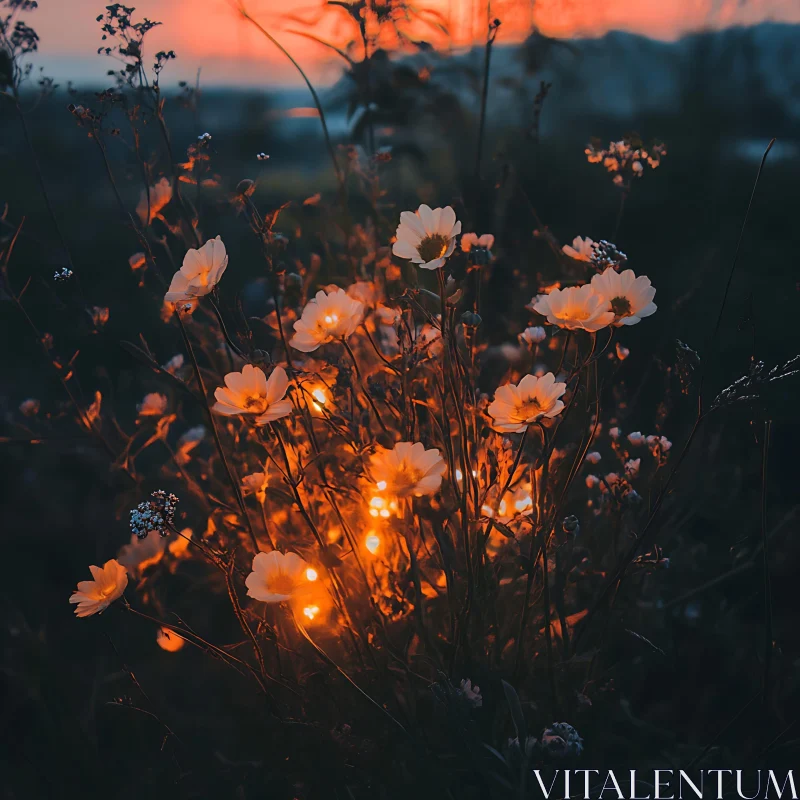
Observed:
{"x":659,"y":443}
{"x":250,"y":392}
{"x":326,"y":317}
{"x":140,"y":554}
{"x":533,"y":335}
{"x":277,"y":577}
{"x":470,"y":240}
{"x":593,"y":457}
{"x":575,"y":307}
{"x":427,"y":237}
{"x":632,"y":467}
{"x":174,"y":364}
{"x":592,"y":481}
{"x":622,"y":352}
{"x":408,"y":469}
{"x":516,"y":406}
{"x":636,"y":438}
{"x":160,"y":195}
{"x":94,"y":597}
{"x":629,"y":297}
{"x":153,"y":405}
{"x":581,"y":249}
{"x":29,"y":407}
{"x":472,"y":694}
{"x":201,"y":271}
{"x":614,"y":433}
{"x":255,"y":484}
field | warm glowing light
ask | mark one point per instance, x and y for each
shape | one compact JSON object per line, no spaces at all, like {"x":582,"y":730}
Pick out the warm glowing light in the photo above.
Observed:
{"x":459,"y":474}
{"x":319,"y":396}
{"x":372,"y":542}
{"x":523,"y":503}
{"x":381,"y":485}
{"x":384,"y":512}
{"x":311,"y":611}
{"x":311,"y":574}
{"x":377,"y":502}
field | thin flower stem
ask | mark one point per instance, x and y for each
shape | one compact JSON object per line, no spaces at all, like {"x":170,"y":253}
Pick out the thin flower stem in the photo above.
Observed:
{"x":224,"y":329}
{"x":220,"y":449}
{"x":40,"y":177}
{"x":240,"y":7}
{"x":765,"y":561}
{"x":328,"y":660}
{"x":363,"y":386}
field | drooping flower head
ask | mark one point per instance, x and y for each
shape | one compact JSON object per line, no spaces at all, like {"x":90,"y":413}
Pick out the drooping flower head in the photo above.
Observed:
{"x":94,"y":597}
{"x":201,"y":271}
{"x":408,"y":469}
{"x":250,"y":393}
{"x":581,"y":249}
{"x":279,"y":578}
{"x":577,"y":307}
{"x":631,"y":298}
{"x":328,"y":316}
{"x":427,"y":237}
{"x":515,"y":406}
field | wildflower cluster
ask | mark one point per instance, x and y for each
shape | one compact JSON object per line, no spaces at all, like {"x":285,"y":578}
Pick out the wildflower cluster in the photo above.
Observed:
{"x":156,"y":515}
{"x":625,"y":159}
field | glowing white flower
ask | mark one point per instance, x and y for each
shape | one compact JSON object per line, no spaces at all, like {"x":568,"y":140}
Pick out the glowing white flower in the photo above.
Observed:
{"x":408,"y":469}
{"x":577,"y":307}
{"x":581,"y":249}
{"x":201,"y":271}
{"x":515,"y":406}
{"x":250,"y":392}
{"x":326,"y":317}
{"x":427,"y":237}
{"x":636,"y":438}
{"x":277,"y":577}
{"x":160,"y":195}
{"x":153,"y":405}
{"x":632,"y":467}
{"x":630,"y":298}
{"x":593,"y":457}
{"x":94,"y":597}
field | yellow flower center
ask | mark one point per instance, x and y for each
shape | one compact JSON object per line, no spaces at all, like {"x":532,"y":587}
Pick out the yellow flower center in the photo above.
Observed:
{"x":404,"y":480}
{"x":530,"y":408}
{"x":433,"y":246}
{"x":281,"y":584}
{"x":621,"y":306}
{"x":254,"y":403}
{"x":581,"y":314}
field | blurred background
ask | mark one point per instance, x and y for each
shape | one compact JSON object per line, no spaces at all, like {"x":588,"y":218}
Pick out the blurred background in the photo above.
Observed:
{"x":714,"y":80}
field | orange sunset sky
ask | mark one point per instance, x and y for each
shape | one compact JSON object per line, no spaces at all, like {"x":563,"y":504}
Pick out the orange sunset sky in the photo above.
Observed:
{"x":210,"y":35}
